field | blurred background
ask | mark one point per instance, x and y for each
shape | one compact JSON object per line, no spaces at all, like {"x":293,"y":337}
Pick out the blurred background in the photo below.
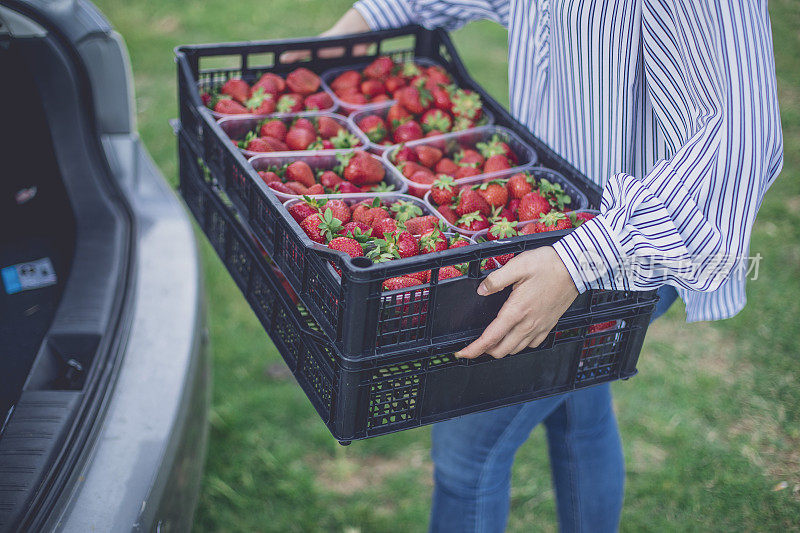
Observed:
{"x":711,"y":425}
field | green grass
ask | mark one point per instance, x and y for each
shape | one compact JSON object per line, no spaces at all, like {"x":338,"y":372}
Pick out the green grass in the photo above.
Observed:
{"x":711,"y":424}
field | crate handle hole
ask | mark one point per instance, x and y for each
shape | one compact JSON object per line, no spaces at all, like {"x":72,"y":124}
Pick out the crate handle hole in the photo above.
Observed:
{"x":361,"y":262}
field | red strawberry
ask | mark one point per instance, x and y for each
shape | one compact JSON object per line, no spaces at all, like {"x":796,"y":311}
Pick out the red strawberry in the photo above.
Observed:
{"x":406,"y":154}
{"x":270,"y":83}
{"x":269,"y":177}
{"x":281,"y":187}
{"x":356,"y":229}
{"x":407,"y":131}
{"x":303,"y":122}
{"x":425,"y":177}
{"x":302,"y":81}
{"x":448,"y":213}
{"x":397,"y":115}
{"x":459,"y":242}
{"x":261,"y":103}
{"x":346,"y":187}
{"x":302,"y":210}
{"x":237,"y":89}
{"x":407,"y":244}
{"x":552,"y":221}
{"x":339,"y":210}
{"x":363,"y":169}
{"x":317,"y":188}
{"x":513,"y":206}
{"x":393,"y":83}
{"x":467,"y":104}
{"x":441,"y":99}
{"x":466,"y":172}
{"x":602,"y":326}
{"x":496,"y":163}
{"x":519,"y":185}
{"x":347,"y":245}
{"x":470,"y":201}
{"x":320,"y":100}
{"x":432,"y":241}
{"x":297,"y":187}
{"x":354,"y":98}
{"x":289,"y":103}
{"x":401,"y":282}
{"x":580,"y":218}
{"x":374,"y":127}
{"x":321,"y":227}
{"x":372,"y":88}
{"x":384,"y":225}
{"x":449,"y":272}
{"x":368,"y":214}
{"x":428,"y":155}
{"x":415,"y":100}
{"x":329,"y":179}
{"x":474,"y":221}
{"x":300,"y":171}
{"x":258,"y":144}
{"x":443,"y":190}
{"x":299,"y":138}
{"x":468,"y":157}
{"x":379,"y":98}
{"x":274,"y":145}
{"x":494,"y":192}
{"x":495,"y":146}
{"x":380,"y":68}
{"x":446,"y":166}
{"x":273,"y":128}
{"x":436,"y":119}
{"x":502,"y":230}
{"x":346,"y":80}
{"x":328,"y":127}
{"x":422,"y":224}
{"x":438,"y":75}
{"x":503,"y":213}
{"x":423,"y":276}
{"x":227,"y":106}
{"x":532,"y":206}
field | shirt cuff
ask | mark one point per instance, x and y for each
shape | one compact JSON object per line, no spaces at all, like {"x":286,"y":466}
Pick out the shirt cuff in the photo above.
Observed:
{"x":384,"y":14}
{"x":592,"y":256}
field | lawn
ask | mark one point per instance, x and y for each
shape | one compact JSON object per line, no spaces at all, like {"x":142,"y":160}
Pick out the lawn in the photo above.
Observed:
{"x":711,"y":425}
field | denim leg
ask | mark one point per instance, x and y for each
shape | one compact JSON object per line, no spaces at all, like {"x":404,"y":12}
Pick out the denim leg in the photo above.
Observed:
{"x":472,"y":458}
{"x":667,"y":294}
{"x":586,"y":460}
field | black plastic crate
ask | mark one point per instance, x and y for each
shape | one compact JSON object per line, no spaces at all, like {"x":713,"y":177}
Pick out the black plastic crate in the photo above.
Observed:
{"x":360,"y":318}
{"x":365,"y":397}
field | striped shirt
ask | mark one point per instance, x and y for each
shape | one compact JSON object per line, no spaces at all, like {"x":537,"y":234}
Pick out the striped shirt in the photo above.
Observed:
{"x":670,"y":105}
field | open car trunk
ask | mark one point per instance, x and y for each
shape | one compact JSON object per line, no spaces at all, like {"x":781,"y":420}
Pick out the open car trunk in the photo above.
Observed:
{"x":65,"y":251}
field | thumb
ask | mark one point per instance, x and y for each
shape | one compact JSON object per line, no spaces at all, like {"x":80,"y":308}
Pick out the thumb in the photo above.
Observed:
{"x":501,"y":278}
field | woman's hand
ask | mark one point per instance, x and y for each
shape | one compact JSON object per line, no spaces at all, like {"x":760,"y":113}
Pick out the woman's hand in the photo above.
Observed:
{"x":543,"y":290}
{"x":351,"y":22}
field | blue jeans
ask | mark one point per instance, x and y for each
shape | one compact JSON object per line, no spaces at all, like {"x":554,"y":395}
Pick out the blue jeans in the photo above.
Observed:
{"x":473,"y":456}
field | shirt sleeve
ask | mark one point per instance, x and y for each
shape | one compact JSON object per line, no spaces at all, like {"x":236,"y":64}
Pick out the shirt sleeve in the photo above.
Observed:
{"x":711,"y":80}
{"x":447,"y":14}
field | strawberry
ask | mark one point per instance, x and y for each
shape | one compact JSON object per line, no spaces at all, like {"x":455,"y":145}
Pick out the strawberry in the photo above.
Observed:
{"x":423,"y":276}
{"x":379,"y":98}
{"x":407,"y":244}
{"x":401,"y":282}
{"x":299,"y":138}
{"x":327,"y":127}
{"x":502,"y":213}
{"x":463,"y":123}
{"x":329,"y":179}
{"x":421,"y":224}
{"x":405,"y":154}
{"x":474,"y":221}
{"x":302,"y":81}
{"x":356,"y":230}
{"x":502,"y":230}
{"x":258,"y":144}
{"x":346,"y":80}
{"x":532,"y":206}
{"x":236,"y":88}
{"x":274,"y":145}
{"x":368,"y":215}
{"x":384,"y":225}
{"x":374,"y":127}
{"x":407,"y":70}
{"x":303,"y":122}
{"x":428,"y":155}
{"x":519,"y":185}
{"x":469,"y":201}
{"x":513,"y":206}
{"x":361,"y":168}
{"x":321,"y":227}
{"x":355,"y":98}
{"x":501,"y":260}
{"x":297,"y":187}
{"x":372,"y":88}
{"x":289,"y":103}
{"x":436,"y":119}
{"x":459,"y":242}
{"x":404,"y":210}
{"x":443,"y":190}
{"x":495,"y":146}
{"x":281,"y":187}
{"x":468,"y":157}
{"x":271,"y":84}
{"x":552,"y":221}
{"x":397,"y":115}
{"x":467,"y":104}
{"x":580,"y":218}
{"x":448,"y":213}
{"x":494,"y":192}
{"x":317,"y":188}
{"x":320,"y":100}
{"x":554,"y":193}
{"x":347,"y":245}
{"x":449,"y":272}
{"x":339,"y":210}
{"x":432,"y":241}
{"x":441,"y":99}
{"x":229,"y":107}
{"x":466,"y":172}
{"x":425,"y":177}
{"x":602,"y":326}
{"x":273,"y":128}
{"x":438,"y":75}
{"x":414,"y":99}
{"x":393,"y":83}
{"x":269,"y":177}
{"x":346,"y":187}
{"x":300,"y":171}
{"x":407,"y":131}
{"x":380,"y":68}
{"x":446,"y":166}
{"x":496,"y":163}
{"x":261,"y":103}
{"x":302,"y":210}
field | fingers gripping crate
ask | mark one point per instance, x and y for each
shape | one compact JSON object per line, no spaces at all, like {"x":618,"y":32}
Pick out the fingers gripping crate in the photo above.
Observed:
{"x":361,"y":398}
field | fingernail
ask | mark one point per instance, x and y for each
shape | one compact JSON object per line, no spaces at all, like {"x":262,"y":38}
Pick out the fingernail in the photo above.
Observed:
{"x":458,"y":355}
{"x":482,"y":290}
